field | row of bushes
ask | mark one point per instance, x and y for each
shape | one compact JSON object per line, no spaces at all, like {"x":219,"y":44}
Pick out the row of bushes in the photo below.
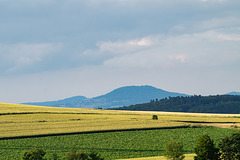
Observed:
{"x":39,"y":154}
{"x":229,"y":149}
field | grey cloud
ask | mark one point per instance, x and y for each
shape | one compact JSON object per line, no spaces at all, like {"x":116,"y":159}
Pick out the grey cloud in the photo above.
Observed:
{"x":18,"y":57}
{"x":207,"y":49}
{"x":99,"y":20}
{"x":183,"y":35}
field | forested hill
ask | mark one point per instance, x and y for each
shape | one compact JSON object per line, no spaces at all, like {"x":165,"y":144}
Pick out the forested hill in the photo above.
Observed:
{"x":194,"y":104}
{"x":119,"y":97}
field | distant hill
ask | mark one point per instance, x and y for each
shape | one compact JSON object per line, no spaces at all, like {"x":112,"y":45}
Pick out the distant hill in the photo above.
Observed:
{"x":195,"y":104}
{"x":233,"y":93}
{"x":59,"y":103}
{"x":123,"y":96}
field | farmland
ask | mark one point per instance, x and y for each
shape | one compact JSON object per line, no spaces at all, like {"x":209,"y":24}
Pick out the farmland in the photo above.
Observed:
{"x":113,"y":145}
{"x":22,"y":120}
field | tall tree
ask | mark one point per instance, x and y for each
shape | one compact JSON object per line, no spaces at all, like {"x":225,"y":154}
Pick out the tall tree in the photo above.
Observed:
{"x":230,"y":147}
{"x":174,"y":150}
{"x":205,"y":149}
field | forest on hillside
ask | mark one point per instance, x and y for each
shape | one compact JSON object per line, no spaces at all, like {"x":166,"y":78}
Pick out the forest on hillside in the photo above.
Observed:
{"x":193,"y":104}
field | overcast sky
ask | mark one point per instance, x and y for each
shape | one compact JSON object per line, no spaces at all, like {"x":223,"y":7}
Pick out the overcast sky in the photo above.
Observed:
{"x":54,"y":49}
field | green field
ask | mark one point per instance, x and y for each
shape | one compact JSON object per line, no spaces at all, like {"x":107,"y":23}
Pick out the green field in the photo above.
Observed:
{"x":113,"y":145}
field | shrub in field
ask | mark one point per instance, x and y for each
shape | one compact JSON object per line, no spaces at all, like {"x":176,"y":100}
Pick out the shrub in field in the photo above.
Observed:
{"x":174,"y":150}
{"x":155,"y":117}
{"x":73,"y":155}
{"x":94,"y":156}
{"x":55,"y":156}
{"x":34,"y":154}
{"x":205,"y":149}
{"x":230,"y":147}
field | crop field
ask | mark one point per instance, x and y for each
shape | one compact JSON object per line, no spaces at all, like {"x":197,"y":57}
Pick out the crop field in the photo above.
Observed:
{"x":113,"y":145}
{"x":22,"y":120}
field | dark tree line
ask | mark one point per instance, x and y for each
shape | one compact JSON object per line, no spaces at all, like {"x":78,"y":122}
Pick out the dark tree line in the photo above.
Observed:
{"x":39,"y":154}
{"x":229,"y":148}
{"x":194,"y":104}
{"x":205,"y":149}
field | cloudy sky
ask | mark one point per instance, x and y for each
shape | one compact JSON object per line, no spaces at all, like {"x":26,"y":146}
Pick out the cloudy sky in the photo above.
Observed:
{"x":54,"y":49}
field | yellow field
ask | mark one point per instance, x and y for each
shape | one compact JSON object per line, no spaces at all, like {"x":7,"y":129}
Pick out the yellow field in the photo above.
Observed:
{"x":23,"y":120}
{"x":187,"y":157}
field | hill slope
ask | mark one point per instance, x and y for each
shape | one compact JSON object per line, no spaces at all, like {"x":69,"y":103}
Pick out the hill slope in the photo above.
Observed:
{"x":59,"y":103}
{"x":233,"y":93}
{"x":195,"y":104}
{"x":119,"y":97}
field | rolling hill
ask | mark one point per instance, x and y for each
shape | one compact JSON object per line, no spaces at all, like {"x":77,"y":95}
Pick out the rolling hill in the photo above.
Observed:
{"x":228,"y":104}
{"x":123,"y":96}
{"x":28,"y":121}
{"x":60,"y":103}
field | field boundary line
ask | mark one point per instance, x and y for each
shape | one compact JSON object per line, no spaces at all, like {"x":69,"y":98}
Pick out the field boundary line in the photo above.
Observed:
{"x":97,"y":131}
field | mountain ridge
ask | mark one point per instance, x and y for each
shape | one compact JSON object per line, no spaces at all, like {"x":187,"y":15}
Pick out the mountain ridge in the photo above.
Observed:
{"x":233,"y":93}
{"x":123,"y":96}
{"x":58,"y":103}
